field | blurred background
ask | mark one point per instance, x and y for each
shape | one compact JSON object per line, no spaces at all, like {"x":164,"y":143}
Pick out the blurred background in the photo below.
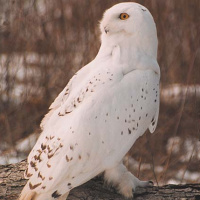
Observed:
{"x":44,"y":42}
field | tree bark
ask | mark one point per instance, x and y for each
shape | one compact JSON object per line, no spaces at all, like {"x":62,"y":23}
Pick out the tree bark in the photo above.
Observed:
{"x":12,"y":181}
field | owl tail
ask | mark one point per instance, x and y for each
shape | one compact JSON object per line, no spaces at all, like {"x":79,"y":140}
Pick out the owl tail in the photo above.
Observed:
{"x":27,"y":194}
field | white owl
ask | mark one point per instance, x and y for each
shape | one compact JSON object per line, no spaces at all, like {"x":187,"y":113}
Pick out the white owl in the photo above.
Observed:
{"x":98,"y":116}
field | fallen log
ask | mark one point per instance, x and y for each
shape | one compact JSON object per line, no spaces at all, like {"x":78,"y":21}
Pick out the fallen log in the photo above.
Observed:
{"x":12,"y":181}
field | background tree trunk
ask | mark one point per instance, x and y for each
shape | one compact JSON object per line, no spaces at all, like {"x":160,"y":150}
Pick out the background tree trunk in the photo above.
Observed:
{"x":12,"y":182}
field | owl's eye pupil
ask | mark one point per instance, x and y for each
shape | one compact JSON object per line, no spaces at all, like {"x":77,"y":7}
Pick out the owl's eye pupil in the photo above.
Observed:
{"x":124,"y":16}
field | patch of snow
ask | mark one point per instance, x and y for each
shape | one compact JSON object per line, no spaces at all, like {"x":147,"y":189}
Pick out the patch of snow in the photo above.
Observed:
{"x":193,"y":176}
{"x":41,"y":7}
{"x":9,"y":156}
{"x":32,"y":57}
{"x":174,"y":144}
{"x":132,"y":164}
{"x":176,"y":92}
{"x":192,"y":149}
{"x":188,"y":176}
{"x":173,"y":181}
{"x":5,"y":160}
{"x":159,"y":169}
{"x":145,"y":166}
{"x":25,"y":145}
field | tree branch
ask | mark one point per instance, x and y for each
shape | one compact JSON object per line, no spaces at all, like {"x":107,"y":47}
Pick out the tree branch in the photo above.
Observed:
{"x":12,"y":181}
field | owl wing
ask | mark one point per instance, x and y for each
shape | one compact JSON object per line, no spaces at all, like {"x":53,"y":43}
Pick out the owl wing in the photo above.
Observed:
{"x":47,"y":151}
{"x":60,"y":100}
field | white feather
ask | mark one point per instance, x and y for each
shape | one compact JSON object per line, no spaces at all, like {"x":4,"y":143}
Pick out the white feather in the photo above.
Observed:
{"x":104,"y":108}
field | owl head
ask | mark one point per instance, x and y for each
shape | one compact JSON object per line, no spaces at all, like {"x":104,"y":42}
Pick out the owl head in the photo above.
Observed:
{"x":132,"y":22}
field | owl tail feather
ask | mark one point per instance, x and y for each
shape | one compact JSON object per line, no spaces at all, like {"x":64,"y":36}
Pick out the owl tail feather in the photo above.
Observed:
{"x":26,"y":194}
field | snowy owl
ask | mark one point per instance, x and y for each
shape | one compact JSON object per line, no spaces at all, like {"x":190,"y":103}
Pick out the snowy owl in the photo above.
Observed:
{"x":98,"y":116}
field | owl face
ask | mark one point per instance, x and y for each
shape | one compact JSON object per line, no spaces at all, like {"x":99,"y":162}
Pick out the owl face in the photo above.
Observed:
{"x":132,"y":24}
{"x":127,"y":19}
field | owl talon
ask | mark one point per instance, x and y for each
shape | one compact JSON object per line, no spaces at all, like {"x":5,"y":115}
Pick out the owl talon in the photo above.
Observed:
{"x":124,"y":180}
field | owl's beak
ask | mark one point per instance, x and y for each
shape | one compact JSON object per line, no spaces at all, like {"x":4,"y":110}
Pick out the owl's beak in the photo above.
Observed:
{"x":106,"y":29}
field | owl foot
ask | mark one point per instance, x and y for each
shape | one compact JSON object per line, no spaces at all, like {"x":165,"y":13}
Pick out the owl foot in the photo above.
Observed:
{"x":124,"y":180}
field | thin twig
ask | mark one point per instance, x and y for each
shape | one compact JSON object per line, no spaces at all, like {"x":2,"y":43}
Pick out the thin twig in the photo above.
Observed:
{"x":139,"y":167}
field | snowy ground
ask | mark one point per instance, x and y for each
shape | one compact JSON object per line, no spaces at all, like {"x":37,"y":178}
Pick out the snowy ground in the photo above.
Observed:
{"x":15,"y":154}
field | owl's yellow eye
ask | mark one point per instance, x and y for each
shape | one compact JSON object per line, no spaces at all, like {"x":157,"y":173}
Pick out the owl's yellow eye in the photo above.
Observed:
{"x":124,"y":16}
